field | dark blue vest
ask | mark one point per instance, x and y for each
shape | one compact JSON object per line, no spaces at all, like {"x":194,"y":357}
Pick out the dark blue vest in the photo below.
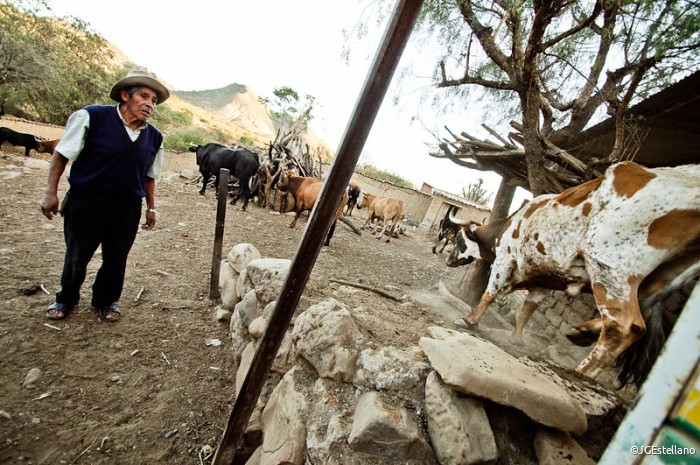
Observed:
{"x":112,"y":167}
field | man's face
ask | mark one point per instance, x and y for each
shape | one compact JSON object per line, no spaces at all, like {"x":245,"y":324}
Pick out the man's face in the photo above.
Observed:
{"x":141,"y":104}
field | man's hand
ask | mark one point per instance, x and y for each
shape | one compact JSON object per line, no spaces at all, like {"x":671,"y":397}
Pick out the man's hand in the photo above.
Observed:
{"x":49,"y":205}
{"x":150,"y":221}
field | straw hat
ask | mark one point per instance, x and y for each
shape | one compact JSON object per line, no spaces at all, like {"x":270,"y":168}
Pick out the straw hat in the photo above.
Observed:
{"x":140,"y":79}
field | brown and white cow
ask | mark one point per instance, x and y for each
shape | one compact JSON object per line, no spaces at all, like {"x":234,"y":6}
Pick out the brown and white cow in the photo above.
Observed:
{"x":305,"y":192}
{"x":627,"y":235}
{"x":386,"y":209}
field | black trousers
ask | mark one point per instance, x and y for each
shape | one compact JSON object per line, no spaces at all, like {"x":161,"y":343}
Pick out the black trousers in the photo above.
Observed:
{"x":89,"y":223}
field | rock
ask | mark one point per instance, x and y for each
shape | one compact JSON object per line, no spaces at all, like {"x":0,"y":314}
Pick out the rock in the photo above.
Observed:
{"x":32,"y":378}
{"x":239,"y":335}
{"x":243,"y":284}
{"x":326,"y":335}
{"x":477,"y":367}
{"x":227,"y":286}
{"x":283,"y":359}
{"x":386,"y":430}
{"x":244,"y":365}
{"x":240,"y":255}
{"x":248,"y":308}
{"x":257,"y":327}
{"x":458,"y":426}
{"x":222,"y":314}
{"x":284,"y":432}
{"x":267,"y":276}
{"x":393,"y":369}
{"x":556,"y":447}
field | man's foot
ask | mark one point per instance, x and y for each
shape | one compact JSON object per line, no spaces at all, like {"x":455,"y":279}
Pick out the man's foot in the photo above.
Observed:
{"x":58,"y":311}
{"x":109,"y":313}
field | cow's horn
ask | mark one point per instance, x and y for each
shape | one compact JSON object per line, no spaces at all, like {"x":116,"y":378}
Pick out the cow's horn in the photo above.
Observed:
{"x":458,"y":221}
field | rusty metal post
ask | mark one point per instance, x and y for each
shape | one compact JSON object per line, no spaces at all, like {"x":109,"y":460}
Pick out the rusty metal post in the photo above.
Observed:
{"x":366,"y":108}
{"x":219,"y":234}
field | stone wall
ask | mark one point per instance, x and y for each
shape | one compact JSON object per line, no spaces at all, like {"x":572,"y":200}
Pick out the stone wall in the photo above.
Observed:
{"x":333,"y":398}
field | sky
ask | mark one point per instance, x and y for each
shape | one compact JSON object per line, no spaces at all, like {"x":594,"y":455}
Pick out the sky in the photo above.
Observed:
{"x":267,"y":44}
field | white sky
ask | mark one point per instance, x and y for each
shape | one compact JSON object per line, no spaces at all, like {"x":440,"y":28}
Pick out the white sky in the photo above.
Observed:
{"x":267,"y":44}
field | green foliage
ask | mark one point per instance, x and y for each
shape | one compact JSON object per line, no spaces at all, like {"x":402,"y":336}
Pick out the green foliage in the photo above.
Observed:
{"x":288,"y":107}
{"x":476,"y":193}
{"x":246,"y":141}
{"x":165,"y":118}
{"x":381,"y":175}
{"x":50,"y":68}
{"x":180,"y":139}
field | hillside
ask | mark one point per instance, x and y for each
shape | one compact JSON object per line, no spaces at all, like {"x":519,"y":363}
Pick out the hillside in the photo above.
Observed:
{"x":235,"y":109}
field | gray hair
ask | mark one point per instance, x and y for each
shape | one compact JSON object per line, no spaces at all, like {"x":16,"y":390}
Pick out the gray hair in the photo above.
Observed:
{"x":131,"y":90}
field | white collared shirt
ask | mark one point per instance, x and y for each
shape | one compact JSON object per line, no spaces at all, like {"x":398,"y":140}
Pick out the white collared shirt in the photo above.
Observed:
{"x":73,"y":139}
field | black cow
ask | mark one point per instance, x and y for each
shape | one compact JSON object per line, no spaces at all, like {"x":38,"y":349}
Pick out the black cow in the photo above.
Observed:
{"x":28,"y":141}
{"x":447,"y":231}
{"x":241,"y":163}
{"x":353,"y":191}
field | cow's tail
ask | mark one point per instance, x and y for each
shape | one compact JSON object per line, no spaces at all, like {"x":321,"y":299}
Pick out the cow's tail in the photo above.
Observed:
{"x":636,"y":362}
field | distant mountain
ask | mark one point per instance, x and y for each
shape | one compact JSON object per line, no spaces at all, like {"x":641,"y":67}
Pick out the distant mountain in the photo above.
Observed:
{"x":235,"y":103}
{"x":235,"y":109}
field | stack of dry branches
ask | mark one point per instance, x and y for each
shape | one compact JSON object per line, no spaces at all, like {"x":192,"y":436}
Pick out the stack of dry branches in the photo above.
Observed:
{"x":507,"y":158}
{"x":287,"y":151}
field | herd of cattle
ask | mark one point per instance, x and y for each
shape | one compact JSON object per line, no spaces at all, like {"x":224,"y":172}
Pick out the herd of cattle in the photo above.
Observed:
{"x":244,"y":166}
{"x":630,"y":237}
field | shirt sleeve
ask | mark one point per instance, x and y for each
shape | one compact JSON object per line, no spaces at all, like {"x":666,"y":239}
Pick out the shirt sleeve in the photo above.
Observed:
{"x":157,"y":165}
{"x":73,"y":139}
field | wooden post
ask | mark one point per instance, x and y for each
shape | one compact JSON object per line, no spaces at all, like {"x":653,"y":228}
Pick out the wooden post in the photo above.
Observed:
{"x":219,"y":234}
{"x":373,"y":92}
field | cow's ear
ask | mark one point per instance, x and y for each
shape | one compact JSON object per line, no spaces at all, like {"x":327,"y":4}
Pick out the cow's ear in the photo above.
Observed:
{"x":470,"y":230}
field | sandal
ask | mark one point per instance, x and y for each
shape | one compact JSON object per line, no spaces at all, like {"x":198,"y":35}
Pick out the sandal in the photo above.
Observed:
{"x":109,"y":313}
{"x":60,"y":311}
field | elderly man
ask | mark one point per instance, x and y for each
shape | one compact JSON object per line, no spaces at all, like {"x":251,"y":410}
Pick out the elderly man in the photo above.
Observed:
{"x":116,"y":157}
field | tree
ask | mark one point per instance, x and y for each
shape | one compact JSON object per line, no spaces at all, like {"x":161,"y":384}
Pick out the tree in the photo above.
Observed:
{"x":567,"y":60}
{"x":563,"y":62}
{"x":49,"y":67}
{"x":476,"y":193}
{"x":288,"y":107}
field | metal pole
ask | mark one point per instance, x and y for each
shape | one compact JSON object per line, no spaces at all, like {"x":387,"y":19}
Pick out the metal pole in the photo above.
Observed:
{"x":366,"y":108}
{"x":219,"y":234}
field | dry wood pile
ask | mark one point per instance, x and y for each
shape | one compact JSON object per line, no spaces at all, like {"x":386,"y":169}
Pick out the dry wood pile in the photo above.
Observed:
{"x":288,"y":151}
{"x":507,"y":158}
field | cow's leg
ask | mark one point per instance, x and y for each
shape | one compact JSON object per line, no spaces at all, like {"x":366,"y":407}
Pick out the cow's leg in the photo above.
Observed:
{"x":622,"y":325}
{"x":381,"y":233}
{"x":26,"y":151}
{"x":330,"y":234}
{"x":524,"y":312}
{"x":205,"y":181}
{"x":586,"y":333}
{"x":473,"y":318}
{"x":391,"y":230}
{"x":296,"y":217}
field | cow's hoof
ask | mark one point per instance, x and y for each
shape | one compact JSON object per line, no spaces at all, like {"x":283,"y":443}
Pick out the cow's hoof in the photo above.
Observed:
{"x":462,"y":323}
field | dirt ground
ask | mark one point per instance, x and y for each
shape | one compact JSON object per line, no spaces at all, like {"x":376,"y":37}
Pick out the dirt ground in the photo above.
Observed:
{"x":149,"y":389}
